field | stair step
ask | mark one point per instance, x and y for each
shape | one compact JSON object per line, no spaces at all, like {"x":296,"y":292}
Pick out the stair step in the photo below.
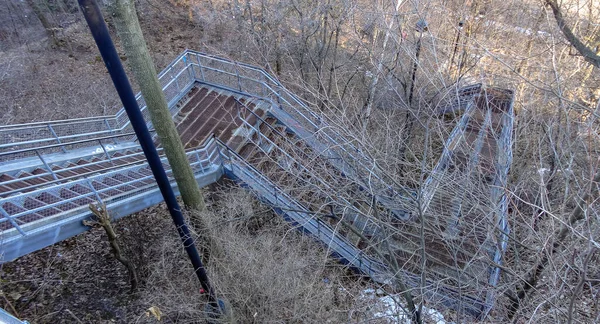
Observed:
{"x":196,"y":99}
{"x":203,"y":126}
{"x":31,"y":203}
{"x":61,"y":173}
{"x":77,"y":191}
{"x":19,"y":185}
{"x":248,"y":149}
{"x":51,"y":199}
{"x":36,"y":180}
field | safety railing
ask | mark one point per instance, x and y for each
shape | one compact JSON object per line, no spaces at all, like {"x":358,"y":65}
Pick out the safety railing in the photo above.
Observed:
{"x":298,"y":214}
{"x":256,"y":82}
{"x":316,"y":181}
{"x":498,"y":195}
{"x":456,"y":137}
{"x":176,"y":81}
{"x":200,"y":159}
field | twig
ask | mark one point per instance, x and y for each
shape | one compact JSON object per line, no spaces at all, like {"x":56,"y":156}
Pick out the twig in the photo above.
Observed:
{"x":104,"y":220}
{"x":73,"y":316}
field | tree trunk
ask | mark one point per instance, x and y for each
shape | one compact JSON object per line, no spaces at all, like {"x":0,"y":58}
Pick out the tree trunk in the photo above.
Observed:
{"x":130,"y":33}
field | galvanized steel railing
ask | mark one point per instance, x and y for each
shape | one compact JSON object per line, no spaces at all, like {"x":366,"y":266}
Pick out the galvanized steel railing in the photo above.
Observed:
{"x":298,"y":215}
{"x":176,"y":81}
{"x":205,"y":161}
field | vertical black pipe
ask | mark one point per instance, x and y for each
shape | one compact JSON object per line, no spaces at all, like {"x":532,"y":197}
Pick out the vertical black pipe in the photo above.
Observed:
{"x":95,"y":21}
{"x":414,"y":71}
{"x":460,"y":27}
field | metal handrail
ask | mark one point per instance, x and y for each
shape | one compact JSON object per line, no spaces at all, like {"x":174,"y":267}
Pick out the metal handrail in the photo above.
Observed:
{"x":209,"y":148}
{"x":28,"y":126}
{"x":96,"y":139}
{"x":289,"y":202}
{"x":372,"y":167}
{"x":121,"y":124}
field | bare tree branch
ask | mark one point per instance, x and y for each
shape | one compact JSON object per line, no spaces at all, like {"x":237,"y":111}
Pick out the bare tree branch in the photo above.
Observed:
{"x":585,"y":51}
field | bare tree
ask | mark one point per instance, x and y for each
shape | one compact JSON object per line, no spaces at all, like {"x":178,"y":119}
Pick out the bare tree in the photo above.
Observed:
{"x":588,"y":54}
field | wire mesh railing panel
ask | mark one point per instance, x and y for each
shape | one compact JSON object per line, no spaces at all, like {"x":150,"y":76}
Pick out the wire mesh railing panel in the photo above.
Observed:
{"x":47,"y":205}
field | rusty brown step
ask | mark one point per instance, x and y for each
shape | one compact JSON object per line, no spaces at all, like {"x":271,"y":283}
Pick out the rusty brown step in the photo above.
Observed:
{"x":120,"y":158}
{"x":200,"y":110}
{"x":187,"y":98}
{"x":35,"y":180}
{"x":83,"y":167}
{"x":39,"y":171}
{"x":18,"y":185}
{"x":196,"y":99}
{"x":247,"y":150}
{"x":201,"y":120}
{"x":266,"y":126}
{"x":95,"y":164}
{"x":4,"y":189}
{"x":61,"y":173}
{"x":218,"y":121}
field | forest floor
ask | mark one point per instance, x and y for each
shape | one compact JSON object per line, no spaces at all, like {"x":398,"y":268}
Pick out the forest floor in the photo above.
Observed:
{"x":39,"y":81}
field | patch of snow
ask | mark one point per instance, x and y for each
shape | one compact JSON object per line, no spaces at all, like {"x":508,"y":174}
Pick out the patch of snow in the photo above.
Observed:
{"x":387,"y":308}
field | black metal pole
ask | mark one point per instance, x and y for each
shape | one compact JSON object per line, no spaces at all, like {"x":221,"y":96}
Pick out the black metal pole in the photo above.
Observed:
{"x":95,"y":21}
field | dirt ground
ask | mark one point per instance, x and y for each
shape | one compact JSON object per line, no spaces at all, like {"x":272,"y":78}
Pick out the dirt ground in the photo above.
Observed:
{"x":266,"y":270}
{"x":78,"y":279}
{"x":39,"y":81}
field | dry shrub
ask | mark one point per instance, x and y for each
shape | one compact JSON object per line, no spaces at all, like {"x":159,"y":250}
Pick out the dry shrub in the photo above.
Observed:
{"x":267,"y":273}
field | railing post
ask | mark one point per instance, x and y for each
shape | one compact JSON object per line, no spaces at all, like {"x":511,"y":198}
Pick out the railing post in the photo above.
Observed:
{"x":110,"y":129}
{"x":105,"y":151}
{"x":237,"y":73}
{"x":57,"y":138}
{"x":189,"y":67}
{"x":46,"y":165}
{"x":12,"y":221}
{"x":264,"y":86}
{"x":201,"y":68}
{"x":89,"y":183}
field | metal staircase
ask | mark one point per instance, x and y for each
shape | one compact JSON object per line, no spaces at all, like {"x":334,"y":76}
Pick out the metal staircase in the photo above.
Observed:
{"x":237,"y":120}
